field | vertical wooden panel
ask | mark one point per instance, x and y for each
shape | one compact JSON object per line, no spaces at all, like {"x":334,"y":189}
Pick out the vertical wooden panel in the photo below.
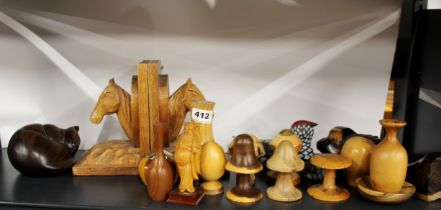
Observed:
{"x":134,"y":110}
{"x":153,"y":68}
{"x":143,"y":103}
{"x":163,"y":107}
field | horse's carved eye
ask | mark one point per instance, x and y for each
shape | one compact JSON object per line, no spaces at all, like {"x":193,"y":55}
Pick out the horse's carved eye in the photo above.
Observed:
{"x":106,"y":94}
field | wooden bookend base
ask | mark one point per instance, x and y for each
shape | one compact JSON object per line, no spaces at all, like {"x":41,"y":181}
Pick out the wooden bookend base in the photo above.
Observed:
{"x":113,"y":157}
{"x":186,"y":198}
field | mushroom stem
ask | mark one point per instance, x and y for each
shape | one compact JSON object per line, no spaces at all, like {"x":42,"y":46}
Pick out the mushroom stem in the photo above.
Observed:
{"x":284,"y":181}
{"x":329,"y":179}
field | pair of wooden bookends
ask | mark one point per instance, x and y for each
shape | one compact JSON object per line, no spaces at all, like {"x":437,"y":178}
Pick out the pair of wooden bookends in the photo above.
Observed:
{"x":152,"y":119}
{"x":139,"y":113}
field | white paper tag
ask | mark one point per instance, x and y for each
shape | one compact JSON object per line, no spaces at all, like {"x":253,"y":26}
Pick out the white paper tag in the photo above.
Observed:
{"x":201,"y":116}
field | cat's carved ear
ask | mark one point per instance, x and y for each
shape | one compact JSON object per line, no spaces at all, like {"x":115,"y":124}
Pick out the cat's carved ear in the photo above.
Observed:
{"x":112,"y":81}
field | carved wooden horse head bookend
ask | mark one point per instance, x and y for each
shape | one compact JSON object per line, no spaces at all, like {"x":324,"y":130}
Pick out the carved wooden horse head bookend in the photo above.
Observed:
{"x":114,"y":99}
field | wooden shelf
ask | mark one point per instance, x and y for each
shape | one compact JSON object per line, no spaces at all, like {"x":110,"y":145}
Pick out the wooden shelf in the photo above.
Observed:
{"x":127,"y":192}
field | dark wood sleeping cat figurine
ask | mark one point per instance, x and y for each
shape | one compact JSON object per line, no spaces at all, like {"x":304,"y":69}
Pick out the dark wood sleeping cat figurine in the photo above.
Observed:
{"x":43,"y":150}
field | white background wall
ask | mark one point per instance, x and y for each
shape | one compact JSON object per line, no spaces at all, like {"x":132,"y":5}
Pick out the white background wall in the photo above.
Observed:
{"x":433,"y":4}
{"x":267,"y":63}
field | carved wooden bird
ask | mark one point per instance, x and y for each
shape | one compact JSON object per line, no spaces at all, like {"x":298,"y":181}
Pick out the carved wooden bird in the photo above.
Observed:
{"x":305,"y":130}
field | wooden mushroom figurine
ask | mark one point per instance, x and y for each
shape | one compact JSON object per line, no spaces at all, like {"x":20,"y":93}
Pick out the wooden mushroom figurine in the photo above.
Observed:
{"x":328,"y":191}
{"x":244,"y":162}
{"x":286,"y":135}
{"x":285,"y":162}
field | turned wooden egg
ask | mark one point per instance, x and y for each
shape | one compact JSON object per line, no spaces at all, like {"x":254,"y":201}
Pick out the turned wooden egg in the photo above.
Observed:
{"x":212,"y":161}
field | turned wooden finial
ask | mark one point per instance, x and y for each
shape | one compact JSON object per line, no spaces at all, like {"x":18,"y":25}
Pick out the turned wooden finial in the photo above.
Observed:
{"x":328,"y":191}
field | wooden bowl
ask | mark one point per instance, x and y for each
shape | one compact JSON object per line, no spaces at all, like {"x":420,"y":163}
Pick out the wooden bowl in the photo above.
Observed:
{"x":365,"y":188}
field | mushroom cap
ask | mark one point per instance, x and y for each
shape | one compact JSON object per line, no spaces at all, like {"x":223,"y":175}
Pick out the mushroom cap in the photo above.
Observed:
{"x":285,"y":159}
{"x":243,"y":158}
{"x":289,"y":135}
{"x":331,"y":161}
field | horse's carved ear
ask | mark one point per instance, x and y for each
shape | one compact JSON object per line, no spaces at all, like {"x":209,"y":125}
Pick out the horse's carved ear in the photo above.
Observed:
{"x":189,"y":82}
{"x":112,"y":81}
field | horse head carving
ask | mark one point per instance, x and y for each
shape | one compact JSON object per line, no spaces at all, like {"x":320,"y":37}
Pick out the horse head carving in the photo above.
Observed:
{"x":114,"y":99}
{"x":180,"y":103}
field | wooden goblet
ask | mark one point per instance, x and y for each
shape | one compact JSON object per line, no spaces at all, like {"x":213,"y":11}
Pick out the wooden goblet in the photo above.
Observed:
{"x":328,"y":191}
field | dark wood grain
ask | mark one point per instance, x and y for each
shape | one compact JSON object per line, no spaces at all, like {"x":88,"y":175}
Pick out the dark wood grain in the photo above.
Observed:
{"x":159,"y":174}
{"x":43,"y":150}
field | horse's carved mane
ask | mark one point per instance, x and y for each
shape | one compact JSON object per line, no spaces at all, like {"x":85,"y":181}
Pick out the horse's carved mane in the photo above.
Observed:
{"x":124,"y":113}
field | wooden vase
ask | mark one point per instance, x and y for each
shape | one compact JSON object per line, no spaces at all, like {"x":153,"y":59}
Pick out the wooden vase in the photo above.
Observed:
{"x":388,"y":165}
{"x":212,"y":155}
{"x":158,"y":172}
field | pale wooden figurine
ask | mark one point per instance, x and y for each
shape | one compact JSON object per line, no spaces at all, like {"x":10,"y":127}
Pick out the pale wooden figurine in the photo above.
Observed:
{"x":285,"y":161}
{"x":187,"y":157}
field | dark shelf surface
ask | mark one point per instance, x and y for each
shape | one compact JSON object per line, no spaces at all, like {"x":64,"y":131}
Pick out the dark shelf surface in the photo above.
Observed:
{"x":127,"y":192}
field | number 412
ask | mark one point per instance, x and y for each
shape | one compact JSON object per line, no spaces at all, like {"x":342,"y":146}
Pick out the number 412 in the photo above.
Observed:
{"x":202,"y":115}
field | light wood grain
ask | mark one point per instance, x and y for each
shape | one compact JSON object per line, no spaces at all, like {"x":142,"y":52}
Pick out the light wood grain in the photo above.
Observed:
{"x":112,"y":157}
{"x":153,"y":98}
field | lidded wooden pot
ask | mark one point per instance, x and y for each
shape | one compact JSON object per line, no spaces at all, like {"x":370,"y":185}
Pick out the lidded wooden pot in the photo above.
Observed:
{"x":285,"y":161}
{"x":388,"y":166}
{"x":244,"y":162}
